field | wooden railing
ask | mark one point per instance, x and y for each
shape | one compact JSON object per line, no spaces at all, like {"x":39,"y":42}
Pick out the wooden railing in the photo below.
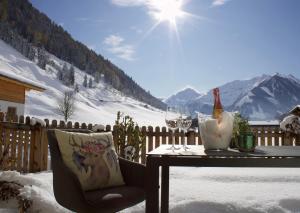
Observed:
{"x":27,"y":151}
{"x":28,"y":145}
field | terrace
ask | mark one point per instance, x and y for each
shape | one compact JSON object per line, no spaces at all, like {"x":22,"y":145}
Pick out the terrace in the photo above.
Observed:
{"x":28,"y":145}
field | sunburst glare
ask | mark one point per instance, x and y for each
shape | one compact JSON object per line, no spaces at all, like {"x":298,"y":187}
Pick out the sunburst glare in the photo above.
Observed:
{"x":168,"y":10}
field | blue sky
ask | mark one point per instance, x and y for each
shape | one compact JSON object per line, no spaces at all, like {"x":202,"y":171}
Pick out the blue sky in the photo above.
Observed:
{"x":217,"y":41}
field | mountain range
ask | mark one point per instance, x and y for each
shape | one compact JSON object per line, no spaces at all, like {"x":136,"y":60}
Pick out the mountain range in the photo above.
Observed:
{"x":265,"y":97}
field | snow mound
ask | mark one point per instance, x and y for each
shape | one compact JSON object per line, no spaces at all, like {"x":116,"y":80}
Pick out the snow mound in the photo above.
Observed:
{"x":37,"y":187}
{"x":203,"y":190}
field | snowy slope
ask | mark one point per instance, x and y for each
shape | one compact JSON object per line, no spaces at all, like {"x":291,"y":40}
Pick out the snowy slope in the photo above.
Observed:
{"x":94,"y":105}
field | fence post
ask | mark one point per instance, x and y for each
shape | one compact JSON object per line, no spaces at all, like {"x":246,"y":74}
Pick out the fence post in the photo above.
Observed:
{"x":69,"y":125}
{"x":255,"y":133}
{"x":115,"y":138}
{"x":137,"y":157}
{"x":176,"y":133}
{"x":150,"y":138}
{"x":83,"y":126}
{"x":157,"y":136}
{"x":191,"y":139}
{"x":287,"y":139}
{"x":76,"y":125}
{"x":35,"y":150}
{"x":298,"y":140}
{"x":164,"y":135}
{"x":269,"y":136}
{"x":143,"y":154}
{"x":276,"y":136}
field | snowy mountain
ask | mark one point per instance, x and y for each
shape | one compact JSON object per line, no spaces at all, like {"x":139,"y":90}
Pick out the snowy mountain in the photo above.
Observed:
{"x":270,"y":99}
{"x":99,"y":104}
{"x":183,"y":97}
{"x":261,"y":98}
{"x":229,"y":94}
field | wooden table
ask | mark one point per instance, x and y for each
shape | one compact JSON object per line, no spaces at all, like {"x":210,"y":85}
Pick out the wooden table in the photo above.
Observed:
{"x":196,"y":156}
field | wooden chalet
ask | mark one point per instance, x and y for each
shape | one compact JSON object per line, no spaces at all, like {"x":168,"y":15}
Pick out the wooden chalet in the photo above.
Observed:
{"x":13,"y":95}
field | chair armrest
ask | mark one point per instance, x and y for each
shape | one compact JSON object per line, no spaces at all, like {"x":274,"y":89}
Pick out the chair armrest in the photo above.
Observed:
{"x":133,"y":173}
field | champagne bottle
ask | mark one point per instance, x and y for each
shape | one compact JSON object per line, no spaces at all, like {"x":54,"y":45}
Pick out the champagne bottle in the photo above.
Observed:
{"x":218,"y":109}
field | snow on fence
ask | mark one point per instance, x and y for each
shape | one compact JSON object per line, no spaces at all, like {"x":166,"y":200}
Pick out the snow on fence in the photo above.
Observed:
{"x":28,"y":145}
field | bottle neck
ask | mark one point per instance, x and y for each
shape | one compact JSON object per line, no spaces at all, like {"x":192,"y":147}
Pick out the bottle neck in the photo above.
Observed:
{"x":217,"y":103}
{"x":218,"y":109}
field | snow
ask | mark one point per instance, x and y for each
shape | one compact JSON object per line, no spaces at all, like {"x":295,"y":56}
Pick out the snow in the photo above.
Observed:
{"x":291,"y":123}
{"x":192,"y":189}
{"x":244,"y":100}
{"x":37,"y":187}
{"x":231,"y":91}
{"x":267,"y":91}
{"x":98,"y":127}
{"x":34,"y":121}
{"x":264,"y":123}
{"x":258,"y":113}
{"x":93,"y":105}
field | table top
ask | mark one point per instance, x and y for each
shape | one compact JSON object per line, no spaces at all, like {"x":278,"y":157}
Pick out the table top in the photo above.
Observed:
{"x":199,"y":151}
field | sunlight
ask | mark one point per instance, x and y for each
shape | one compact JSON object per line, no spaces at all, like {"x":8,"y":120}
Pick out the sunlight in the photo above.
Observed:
{"x":168,"y":10}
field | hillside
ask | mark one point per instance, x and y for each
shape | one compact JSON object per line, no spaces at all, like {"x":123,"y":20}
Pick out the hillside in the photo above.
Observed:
{"x":95,"y":105}
{"x":18,"y":18}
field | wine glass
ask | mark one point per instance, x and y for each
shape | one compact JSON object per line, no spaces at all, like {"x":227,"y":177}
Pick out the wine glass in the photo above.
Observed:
{"x":172,"y":121}
{"x":185,"y":123}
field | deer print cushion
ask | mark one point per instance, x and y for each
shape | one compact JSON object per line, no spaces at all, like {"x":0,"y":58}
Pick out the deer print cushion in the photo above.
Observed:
{"x":92,"y":157}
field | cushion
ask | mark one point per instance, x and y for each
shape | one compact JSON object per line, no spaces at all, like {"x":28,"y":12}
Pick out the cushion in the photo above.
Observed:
{"x":92,"y":157}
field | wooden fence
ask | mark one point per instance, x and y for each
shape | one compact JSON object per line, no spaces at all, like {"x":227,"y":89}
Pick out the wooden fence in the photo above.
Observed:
{"x":28,"y":144}
{"x":27,"y":151}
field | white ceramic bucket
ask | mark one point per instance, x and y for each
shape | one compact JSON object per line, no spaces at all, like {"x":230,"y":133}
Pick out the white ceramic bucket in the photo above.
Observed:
{"x":214,"y":134}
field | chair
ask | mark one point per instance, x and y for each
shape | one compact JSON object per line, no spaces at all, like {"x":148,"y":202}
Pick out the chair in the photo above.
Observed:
{"x":68,"y":192}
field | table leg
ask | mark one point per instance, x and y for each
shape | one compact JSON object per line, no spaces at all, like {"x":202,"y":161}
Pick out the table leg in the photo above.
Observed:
{"x":165,"y":189}
{"x":152,"y":186}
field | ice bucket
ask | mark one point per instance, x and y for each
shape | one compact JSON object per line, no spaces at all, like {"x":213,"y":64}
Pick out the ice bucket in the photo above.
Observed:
{"x":216,"y":134}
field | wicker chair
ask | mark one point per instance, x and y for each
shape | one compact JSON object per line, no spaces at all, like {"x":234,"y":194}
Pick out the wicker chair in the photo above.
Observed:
{"x":68,"y":192}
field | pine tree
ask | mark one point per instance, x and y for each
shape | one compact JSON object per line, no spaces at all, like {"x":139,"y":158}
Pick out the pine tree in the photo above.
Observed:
{"x":65,"y":75}
{"x":65,"y":68}
{"x":85,"y":81}
{"x":90,"y":83}
{"x":76,"y":89}
{"x":31,"y":53}
{"x":42,"y":58}
{"x":72,"y":75}
{"x":59,"y":75}
{"x":97,"y":77}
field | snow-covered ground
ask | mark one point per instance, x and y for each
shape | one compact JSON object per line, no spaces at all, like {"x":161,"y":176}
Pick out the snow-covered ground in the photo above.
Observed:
{"x":93,"y":105}
{"x":207,"y":190}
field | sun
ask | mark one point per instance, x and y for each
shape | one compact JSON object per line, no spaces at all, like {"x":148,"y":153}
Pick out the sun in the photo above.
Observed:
{"x":168,"y":11}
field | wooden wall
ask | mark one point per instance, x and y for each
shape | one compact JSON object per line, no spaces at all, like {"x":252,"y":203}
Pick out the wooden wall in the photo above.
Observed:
{"x":12,"y":92}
